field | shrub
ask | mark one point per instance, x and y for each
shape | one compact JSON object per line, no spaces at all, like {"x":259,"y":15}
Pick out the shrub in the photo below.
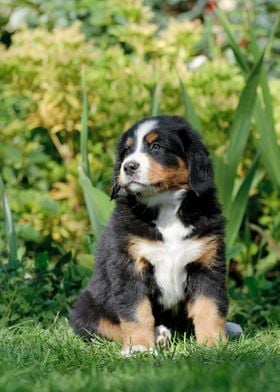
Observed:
{"x":41,"y":105}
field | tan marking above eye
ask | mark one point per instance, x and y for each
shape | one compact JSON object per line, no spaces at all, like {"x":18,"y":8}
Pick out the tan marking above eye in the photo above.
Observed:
{"x":171,"y":177}
{"x":129,"y":142}
{"x":151,"y":137}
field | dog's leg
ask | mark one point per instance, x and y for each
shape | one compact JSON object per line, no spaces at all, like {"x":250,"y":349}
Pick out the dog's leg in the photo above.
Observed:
{"x":209,"y":325}
{"x":138,"y":334}
{"x":109,"y":330}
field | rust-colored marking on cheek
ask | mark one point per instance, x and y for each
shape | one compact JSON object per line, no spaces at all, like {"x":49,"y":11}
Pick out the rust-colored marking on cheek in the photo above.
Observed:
{"x":140,"y":331}
{"x":210,"y":249}
{"x":170,"y":177}
{"x":109,"y":330}
{"x":151,"y":137}
{"x":208,"y":324}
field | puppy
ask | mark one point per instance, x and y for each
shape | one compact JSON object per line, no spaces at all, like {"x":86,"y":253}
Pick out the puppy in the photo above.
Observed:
{"x":160,"y":264}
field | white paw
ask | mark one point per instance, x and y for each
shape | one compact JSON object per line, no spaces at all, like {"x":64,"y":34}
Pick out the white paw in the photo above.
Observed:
{"x":131,"y":350}
{"x":162,"y":335}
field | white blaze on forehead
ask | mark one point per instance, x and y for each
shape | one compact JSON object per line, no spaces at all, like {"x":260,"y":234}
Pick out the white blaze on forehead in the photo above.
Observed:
{"x":138,"y":156}
{"x":142,"y":130}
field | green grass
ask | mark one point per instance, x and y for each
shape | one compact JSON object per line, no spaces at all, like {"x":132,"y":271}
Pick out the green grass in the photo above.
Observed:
{"x":53,"y":359}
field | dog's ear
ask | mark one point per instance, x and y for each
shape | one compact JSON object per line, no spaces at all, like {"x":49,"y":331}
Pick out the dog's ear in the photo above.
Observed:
{"x":116,"y":188}
{"x":115,"y":184}
{"x":201,"y":177}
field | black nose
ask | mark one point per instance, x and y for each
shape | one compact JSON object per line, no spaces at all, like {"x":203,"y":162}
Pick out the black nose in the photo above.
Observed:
{"x":130,"y":167}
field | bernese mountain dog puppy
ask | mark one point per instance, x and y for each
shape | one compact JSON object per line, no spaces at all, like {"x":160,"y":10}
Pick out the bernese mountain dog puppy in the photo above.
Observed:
{"x":160,"y":264}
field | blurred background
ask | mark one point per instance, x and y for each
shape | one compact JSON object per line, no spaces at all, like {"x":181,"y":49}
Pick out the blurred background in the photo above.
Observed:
{"x":138,"y":58}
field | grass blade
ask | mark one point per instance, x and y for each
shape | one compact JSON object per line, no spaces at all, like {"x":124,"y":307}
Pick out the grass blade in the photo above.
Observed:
{"x":9,"y":227}
{"x":238,"y":206}
{"x":190,"y":112}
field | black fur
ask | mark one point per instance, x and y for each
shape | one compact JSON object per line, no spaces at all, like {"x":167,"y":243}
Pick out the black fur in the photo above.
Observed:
{"x":116,"y":287}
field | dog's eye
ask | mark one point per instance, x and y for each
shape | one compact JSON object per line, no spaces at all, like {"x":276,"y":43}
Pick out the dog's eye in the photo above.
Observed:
{"x":155,"y":147}
{"x":126,"y":151}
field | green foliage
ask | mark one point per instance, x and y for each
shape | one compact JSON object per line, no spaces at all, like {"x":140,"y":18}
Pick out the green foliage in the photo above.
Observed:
{"x":10,"y":231}
{"x":256,"y":305}
{"x":98,"y":203}
{"x":97,"y":17}
{"x":41,"y":105}
{"x":40,"y":288}
{"x":263,"y":113}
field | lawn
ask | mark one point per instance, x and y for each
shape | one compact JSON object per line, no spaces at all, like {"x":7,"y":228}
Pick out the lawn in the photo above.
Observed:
{"x":53,"y":359}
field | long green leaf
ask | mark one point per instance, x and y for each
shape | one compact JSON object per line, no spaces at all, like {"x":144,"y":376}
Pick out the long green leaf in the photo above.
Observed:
{"x":264,"y":77}
{"x":220,"y":166}
{"x":265,"y":122}
{"x":237,"y":52}
{"x":238,"y":206}
{"x":9,"y":227}
{"x":98,"y":203}
{"x":190,"y":112}
{"x":155,"y":102}
{"x":240,"y":129}
{"x":270,"y":150}
{"x":84,"y":128}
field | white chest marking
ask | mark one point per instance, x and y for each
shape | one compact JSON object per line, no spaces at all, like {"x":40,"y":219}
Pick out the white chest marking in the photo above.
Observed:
{"x":170,"y":256}
{"x":175,"y":253}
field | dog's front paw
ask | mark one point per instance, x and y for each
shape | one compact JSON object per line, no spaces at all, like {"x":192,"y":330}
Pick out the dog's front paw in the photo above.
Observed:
{"x":162,"y":335}
{"x":138,"y":348}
